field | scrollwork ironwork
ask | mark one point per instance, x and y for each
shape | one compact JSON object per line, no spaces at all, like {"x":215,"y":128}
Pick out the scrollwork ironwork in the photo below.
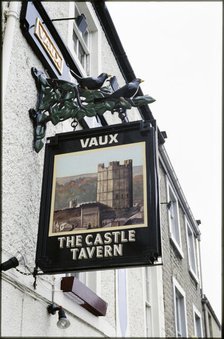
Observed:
{"x":59,"y":100}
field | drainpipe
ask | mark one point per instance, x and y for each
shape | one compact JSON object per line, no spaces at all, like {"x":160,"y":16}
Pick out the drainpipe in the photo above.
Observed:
{"x":200,"y":264}
{"x":12,"y":18}
{"x":203,"y":300}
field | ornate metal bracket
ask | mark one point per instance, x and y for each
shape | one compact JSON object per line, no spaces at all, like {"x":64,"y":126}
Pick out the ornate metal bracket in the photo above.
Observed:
{"x":59,"y":100}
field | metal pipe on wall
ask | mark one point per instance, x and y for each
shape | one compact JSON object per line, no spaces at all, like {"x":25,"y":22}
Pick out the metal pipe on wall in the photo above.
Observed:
{"x":12,"y":14}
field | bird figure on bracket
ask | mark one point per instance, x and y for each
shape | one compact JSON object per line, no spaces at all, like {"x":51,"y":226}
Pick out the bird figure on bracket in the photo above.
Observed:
{"x":127,"y":91}
{"x":91,"y":83}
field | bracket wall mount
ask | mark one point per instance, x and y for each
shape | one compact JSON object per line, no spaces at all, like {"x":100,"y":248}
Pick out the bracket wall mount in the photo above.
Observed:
{"x":59,"y":100}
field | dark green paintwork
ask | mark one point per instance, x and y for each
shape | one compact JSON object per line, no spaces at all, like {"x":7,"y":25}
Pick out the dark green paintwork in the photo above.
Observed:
{"x":59,"y":100}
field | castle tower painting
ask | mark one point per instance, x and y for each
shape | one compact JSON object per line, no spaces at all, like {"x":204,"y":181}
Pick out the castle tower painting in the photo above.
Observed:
{"x":99,"y":189}
{"x":115,"y":184}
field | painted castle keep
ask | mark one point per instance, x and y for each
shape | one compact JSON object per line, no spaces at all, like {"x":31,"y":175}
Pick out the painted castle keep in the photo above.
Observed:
{"x":115,"y":184}
{"x":112,"y":200}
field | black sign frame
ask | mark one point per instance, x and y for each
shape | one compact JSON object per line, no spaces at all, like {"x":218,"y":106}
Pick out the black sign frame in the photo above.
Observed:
{"x":127,"y":245}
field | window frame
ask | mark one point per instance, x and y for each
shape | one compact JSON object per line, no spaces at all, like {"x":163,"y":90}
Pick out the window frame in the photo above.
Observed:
{"x":179,"y":289}
{"x":85,"y":46}
{"x":93,"y":47}
{"x":210,"y":327}
{"x":198,"y":314}
{"x":173,"y":237}
{"x":148,"y":302}
{"x":121,"y":283}
{"x":87,"y":278}
{"x":94,"y":39}
{"x":192,"y":257}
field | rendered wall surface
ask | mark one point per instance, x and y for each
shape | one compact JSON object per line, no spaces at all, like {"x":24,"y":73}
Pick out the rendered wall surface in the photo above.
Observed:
{"x":22,"y":170}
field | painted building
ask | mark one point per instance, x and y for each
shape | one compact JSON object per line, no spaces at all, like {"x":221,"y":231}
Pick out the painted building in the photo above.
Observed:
{"x":164,"y":300}
{"x":114,"y":184}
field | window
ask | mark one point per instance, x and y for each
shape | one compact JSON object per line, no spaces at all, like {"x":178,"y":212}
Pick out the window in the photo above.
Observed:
{"x":81,"y":44}
{"x":197,"y":323}
{"x":85,"y":47}
{"x":87,"y":278}
{"x":154,"y":321}
{"x":210,"y":325}
{"x":121,"y":303}
{"x":179,"y":310}
{"x":192,"y":253}
{"x":148,"y":306}
{"x":174,"y":223}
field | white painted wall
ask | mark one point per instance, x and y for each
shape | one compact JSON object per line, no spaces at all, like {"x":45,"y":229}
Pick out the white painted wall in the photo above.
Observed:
{"x":22,"y":168}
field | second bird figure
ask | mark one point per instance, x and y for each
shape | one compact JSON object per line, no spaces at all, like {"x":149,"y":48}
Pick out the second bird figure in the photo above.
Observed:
{"x":91,"y":83}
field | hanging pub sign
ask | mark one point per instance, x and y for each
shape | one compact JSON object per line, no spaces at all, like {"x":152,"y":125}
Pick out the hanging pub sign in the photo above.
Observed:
{"x":99,"y":205}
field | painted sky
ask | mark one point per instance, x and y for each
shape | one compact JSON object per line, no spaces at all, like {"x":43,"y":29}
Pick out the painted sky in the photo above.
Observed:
{"x":87,"y":161}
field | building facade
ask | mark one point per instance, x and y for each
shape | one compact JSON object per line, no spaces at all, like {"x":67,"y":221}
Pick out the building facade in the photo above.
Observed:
{"x":164,"y":300}
{"x":212,"y":325}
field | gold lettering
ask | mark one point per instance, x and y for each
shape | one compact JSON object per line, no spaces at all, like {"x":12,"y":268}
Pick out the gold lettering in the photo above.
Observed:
{"x":108,"y":251}
{"x":116,"y":235}
{"x":78,"y":240}
{"x":118,"y":250}
{"x":70,"y":242}
{"x":90,"y":251}
{"x":42,"y":33}
{"x":131,"y":235}
{"x":123,"y":239}
{"x":48,"y":44}
{"x":74,"y":253}
{"x":107,"y":238}
{"x":99,"y":251}
{"x":61,"y":241}
{"x":98,"y":240}
{"x":88,"y":241}
{"x":82,"y":254}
